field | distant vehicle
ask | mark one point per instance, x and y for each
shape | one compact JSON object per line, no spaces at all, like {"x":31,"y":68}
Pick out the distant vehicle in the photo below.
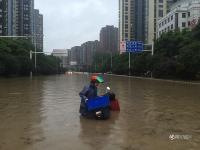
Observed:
{"x":86,"y":73}
{"x":69,"y":73}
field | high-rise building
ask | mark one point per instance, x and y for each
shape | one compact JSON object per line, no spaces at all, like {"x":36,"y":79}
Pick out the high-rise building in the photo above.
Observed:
{"x":76,"y":55}
{"x":3,"y":17}
{"x":132,"y":20}
{"x":156,"y":9}
{"x":109,"y":39}
{"x":89,"y":48}
{"x":38,"y":29}
{"x":26,"y":9}
{"x":138,"y":18}
{"x":17,"y":17}
{"x":126,"y":20}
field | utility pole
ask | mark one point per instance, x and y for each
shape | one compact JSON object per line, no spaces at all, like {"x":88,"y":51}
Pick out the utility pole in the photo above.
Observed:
{"x":129,"y":66}
{"x":35,"y":51}
{"x":111,"y":63}
{"x":31,"y":73}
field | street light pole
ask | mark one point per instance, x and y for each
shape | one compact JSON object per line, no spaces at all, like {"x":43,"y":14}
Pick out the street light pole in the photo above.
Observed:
{"x":31,"y":73}
{"x":35,"y":52}
{"x":129,"y":67}
{"x":111,"y":63}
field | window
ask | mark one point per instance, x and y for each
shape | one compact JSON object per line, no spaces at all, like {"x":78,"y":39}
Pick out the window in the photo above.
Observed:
{"x":188,"y":14}
{"x":160,"y":13}
{"x":183,"y":15}
{"x":172,"y":17}
{"x":172,"y":27}
{"x":183,"y":24}
{"x":160,"y":1}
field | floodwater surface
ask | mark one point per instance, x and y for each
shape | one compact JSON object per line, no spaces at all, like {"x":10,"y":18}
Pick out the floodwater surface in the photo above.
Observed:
{"x":42,"y":114}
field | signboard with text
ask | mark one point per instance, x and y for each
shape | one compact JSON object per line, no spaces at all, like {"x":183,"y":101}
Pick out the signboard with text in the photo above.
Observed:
{"x":131,"y":46}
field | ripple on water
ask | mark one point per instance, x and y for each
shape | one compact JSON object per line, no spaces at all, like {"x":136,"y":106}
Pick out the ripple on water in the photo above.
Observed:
{"x":43,"y":114}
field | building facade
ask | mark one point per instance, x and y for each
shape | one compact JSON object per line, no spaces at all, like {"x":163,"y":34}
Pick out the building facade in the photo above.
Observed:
{"x":1,"y":17}
{"x":76,"y":56}
{"x":109,"y":39}
{"x":38,"y":29}
{"x":25,"y":18}
{"x":17,"y":17}
{"x":89,"y":48}
{"x":62,"y":54}
{"x":183,"y":14}
{"x":140,"y":15}
{"x":126,"y":20}
{"x":138,"y":19}
{"x":156,"y":9}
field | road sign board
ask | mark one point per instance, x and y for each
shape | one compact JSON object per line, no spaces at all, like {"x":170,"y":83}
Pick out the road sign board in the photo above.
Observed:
{"x":134,"y":46}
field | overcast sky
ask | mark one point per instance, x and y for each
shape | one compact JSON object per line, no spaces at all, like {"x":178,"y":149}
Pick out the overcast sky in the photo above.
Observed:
{"x":70,"y":23}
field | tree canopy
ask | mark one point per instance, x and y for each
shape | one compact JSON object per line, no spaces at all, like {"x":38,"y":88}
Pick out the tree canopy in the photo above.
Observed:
{"x":15,"y":59}
{"x":177,"y":56}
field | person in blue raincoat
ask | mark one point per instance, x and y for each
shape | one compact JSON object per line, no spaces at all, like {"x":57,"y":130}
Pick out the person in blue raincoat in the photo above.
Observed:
{"x":89,"y":92}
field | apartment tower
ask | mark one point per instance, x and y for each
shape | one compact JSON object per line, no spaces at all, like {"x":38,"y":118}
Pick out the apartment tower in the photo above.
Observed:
{"x":138,"y":18}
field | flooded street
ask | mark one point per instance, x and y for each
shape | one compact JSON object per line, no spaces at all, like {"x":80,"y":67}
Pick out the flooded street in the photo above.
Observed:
{"x":42,"y":114}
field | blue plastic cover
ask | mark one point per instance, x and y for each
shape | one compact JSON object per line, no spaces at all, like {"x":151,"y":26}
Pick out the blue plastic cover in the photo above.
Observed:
{"x":99,"y":102}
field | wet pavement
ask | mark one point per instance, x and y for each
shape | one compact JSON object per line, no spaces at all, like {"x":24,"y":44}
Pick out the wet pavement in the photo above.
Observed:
{"x":42,"y":113}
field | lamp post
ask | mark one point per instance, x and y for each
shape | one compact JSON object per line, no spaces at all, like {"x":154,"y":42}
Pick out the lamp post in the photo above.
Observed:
{"x":35,"y":51}
{"x":129,"y":64}
{"x":111,"y":61}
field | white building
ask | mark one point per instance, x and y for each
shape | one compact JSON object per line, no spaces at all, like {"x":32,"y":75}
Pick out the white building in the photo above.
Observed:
{"x":63,"y":55}
{"x":183,"y":14}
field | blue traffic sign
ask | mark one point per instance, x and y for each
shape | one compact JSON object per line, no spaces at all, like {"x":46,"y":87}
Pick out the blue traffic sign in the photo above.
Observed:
{"x":134,"y":46}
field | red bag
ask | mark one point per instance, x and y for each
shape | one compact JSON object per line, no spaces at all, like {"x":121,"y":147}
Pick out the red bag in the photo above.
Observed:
{"x":114,"y":105}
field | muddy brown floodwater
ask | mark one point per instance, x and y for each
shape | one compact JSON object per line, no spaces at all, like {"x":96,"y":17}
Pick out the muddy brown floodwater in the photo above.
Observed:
{"x":42,"y":114}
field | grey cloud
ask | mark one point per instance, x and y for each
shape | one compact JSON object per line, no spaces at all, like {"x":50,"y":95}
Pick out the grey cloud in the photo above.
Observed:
{"x":69,"y":23}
